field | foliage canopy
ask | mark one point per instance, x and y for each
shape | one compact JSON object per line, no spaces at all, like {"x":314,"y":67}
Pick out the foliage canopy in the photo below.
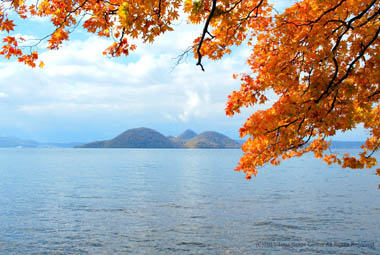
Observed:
{"x":321,"y":58}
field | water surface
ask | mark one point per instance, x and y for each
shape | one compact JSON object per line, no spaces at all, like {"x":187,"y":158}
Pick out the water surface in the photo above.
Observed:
{"x":137,"y":201}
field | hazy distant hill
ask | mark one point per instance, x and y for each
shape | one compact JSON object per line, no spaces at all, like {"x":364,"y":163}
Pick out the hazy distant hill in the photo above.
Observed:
{"x":16,"y":142}
{"x":135,"y":138}
{"x":211,"y":139}
{"x":346,"y":144}
{"x":12,"y":142}
{"x":58,"y":145}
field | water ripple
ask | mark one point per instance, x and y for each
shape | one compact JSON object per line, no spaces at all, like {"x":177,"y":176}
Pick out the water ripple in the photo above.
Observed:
{"x":180,"y":202}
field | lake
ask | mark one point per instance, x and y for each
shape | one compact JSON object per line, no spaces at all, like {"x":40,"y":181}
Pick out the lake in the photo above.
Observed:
{"x":178,"y":201}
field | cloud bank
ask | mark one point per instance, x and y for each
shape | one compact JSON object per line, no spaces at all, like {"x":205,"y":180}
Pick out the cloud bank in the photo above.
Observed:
{"x":82,"y":95}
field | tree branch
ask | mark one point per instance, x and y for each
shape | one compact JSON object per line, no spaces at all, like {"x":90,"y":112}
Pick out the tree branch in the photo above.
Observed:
{"x":205,"y":31}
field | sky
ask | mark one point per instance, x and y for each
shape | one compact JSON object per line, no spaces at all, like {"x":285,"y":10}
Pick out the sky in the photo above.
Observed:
{"x":81,"y":95}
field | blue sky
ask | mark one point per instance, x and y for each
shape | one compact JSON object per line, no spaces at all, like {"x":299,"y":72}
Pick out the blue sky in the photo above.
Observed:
{"x":81,"y":95}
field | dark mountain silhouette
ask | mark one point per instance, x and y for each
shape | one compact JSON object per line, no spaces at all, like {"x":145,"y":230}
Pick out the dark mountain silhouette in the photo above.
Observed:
{"x":135,"y":138}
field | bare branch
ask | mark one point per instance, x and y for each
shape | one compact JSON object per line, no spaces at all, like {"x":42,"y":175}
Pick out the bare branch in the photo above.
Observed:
{"x":182,"y":57}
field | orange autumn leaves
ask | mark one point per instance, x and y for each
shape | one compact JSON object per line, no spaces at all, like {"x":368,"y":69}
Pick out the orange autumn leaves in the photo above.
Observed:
{"x":118,"y":19}
{"x":143,"y":19}
{"x":11,"y":43}
{"x":320,"y":57}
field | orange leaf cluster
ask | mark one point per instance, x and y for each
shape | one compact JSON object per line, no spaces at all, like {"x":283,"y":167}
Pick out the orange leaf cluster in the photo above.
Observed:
{"x":11,"y":46}
{"x":321,"y":58}
{"x":230,"y":23}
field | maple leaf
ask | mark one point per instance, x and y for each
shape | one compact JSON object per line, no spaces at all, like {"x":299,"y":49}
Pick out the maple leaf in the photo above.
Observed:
{"x":7,"y":25}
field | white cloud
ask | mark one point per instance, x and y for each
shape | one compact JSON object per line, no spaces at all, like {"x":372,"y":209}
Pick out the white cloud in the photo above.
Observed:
{"x":39,"y":19}
{"x":191,"y":106}
{"x":78,"y":84}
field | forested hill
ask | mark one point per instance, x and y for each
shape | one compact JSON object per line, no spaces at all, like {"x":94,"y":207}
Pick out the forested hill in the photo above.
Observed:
{"x":149,"y":138}
{"x":135,"y":138}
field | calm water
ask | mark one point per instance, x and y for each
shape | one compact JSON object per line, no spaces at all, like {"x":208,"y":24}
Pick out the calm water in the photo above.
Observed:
{"x":120,"y":201}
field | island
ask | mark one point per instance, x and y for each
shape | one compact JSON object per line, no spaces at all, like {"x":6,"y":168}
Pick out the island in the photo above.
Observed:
{"x":148,"y":138}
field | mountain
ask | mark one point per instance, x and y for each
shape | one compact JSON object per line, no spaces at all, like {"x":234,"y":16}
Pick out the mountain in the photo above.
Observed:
{"x":8,"y":142}
{"x":149,"y":138}
{"x":183,"y":138}
{"x":211,"y":139}
{"x":135,"y":138}
{"x":12,"y":142}
{"x":187,"y":135}
{"x":58,"y":145}
{"x":346,"y":145}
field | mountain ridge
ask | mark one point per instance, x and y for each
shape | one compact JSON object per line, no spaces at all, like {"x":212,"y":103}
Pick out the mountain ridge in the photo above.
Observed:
{"x":13,"y":142}
{"x":212,"y":139}
{"x":149,"y":138}
{"x":134,"y":138}
{"x":187,"y":139}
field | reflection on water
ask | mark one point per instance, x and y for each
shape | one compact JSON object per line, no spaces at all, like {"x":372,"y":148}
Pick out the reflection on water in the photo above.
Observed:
{"x":78,"y":201}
